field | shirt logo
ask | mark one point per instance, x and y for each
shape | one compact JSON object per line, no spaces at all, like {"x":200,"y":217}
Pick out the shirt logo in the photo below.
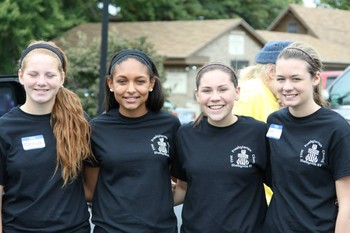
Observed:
{"x":160,"y":145}
{"x":313,"y":154}
{"x":242,"y":157}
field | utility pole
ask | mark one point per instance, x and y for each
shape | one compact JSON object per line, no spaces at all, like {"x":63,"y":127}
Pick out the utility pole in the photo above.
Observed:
{"x":104,"y":48}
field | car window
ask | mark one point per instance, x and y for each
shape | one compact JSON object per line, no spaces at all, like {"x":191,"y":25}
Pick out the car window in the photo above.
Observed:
{"x":11,"y":93}
{"x":7,"y":100}
{"x":340,"y":90}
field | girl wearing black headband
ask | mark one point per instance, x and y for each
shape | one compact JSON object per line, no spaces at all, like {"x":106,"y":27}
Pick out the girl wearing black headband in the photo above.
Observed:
{"x":310,"y":151}
{"x":221,"y":160}
{"x":42,"y":147}
{"x":133,"y":142}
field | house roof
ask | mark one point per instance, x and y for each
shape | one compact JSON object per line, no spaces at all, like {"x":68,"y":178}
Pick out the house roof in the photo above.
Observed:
{"x":172,"y":39}
{"x":329,"y":52}
{"x":331,"y":25}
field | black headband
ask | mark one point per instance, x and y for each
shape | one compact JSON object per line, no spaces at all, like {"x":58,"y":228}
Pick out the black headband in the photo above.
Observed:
{"x":131,"y":52}
{"x":43,"y":46}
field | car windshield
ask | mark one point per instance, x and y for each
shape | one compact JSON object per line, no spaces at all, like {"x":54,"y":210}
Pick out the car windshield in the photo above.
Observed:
{"x":340,"y":90}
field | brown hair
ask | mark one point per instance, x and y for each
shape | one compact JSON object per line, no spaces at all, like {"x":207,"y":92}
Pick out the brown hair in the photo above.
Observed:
{"x":70,"y":125}
{"x":210,"y":67}
{"x":306,"y":53}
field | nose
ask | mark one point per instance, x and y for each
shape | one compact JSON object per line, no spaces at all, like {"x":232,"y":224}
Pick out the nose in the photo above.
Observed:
{"x":41,"y":80}
{"x":287,"y":85}
{"x":131,"y":87}
{"x":215,"y":96}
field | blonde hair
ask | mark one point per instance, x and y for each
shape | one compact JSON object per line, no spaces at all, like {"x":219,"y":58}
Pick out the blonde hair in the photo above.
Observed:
{"x":70,"y":126}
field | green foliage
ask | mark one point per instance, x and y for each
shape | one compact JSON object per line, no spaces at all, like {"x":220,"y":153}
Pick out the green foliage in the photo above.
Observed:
{"x":23,"y":21}
{"x":84,"y":65}
{"x":259,"y":14}
{"x":339,"y":4}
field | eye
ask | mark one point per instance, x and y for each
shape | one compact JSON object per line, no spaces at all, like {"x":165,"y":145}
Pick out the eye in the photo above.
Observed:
{"x":50,"y":75}
{"x":141,"y":81}
{"x":222,"y":89}
{"x":33,"y":75}
{"x":121,"y":81}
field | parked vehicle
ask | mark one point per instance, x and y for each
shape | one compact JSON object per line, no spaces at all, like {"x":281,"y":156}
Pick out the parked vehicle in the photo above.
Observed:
{"x":338,"y":94}
{"x":11,"y":93}
{"x":185,"y":115}
{"x":328,"y":77}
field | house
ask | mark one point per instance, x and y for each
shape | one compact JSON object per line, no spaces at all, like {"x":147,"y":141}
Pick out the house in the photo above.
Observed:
{"x":186,"y":46}
{"x":327,"y":30}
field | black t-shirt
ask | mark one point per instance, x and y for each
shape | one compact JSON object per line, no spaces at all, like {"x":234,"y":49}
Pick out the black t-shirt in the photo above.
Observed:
{"x":34,"y":199}
{"x":133,"y":191}
{"x":306,"y":159}
{"x":224,"y":169}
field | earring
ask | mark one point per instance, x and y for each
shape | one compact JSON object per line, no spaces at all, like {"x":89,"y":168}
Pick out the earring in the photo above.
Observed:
{"x":151,"y":90}
{"x":111,"y":89}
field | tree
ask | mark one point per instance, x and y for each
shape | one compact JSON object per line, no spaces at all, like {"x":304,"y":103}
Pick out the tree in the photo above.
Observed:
{"x":339,"y":4}
{"x":259,"y":14}
{"x":24,"y":21}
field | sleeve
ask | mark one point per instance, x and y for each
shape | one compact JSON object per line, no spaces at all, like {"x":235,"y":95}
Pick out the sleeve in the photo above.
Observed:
{"x":340,"y":157}
{"x":2,"y":163}
{"x":177,"y":169}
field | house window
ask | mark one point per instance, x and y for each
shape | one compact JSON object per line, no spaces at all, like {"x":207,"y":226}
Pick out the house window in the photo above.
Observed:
{"x":236,"y":45}
{"x":176,"y":82}
{"x":239,"y":64}
{"x":292,"y":28}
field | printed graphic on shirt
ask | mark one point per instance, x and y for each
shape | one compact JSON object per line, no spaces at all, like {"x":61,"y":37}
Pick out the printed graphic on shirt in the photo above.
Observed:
{"x":313,"y":154}
{"x":160,"y":145}
{"x":242,"y":157}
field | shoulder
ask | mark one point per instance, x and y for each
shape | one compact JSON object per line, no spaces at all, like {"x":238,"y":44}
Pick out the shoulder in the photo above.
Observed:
{"x":247,"y":120}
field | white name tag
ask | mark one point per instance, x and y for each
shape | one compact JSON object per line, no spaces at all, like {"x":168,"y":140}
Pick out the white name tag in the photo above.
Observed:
{"x":275,"y":131}
{"x":33,"y":142}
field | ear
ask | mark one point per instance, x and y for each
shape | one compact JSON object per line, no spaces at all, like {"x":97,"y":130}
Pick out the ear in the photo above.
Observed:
{"x":20,"y":76}
{"x":63,"y":77}
{"x":196,"y":94}
{"x":238,"y":91}
{"x":316,"y":79}
{"x":271,"y":71}
{"x":153,"y":82}
{"x":109,"y":81}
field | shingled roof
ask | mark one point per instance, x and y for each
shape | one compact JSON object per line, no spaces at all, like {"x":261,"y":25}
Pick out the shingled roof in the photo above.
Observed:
{"x":331,"y":25}
{"x":172,"y":39}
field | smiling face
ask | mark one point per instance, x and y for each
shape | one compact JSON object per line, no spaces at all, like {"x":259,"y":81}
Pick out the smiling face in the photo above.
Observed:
{"x":131,"y":84}
{"x":216,"y":95}
{"x":296,"y":85}
{"x":41,"y":77}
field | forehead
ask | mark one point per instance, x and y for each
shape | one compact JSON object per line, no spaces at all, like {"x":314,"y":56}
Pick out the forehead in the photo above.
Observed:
{"x":291,"y":64}
{"x":130,"y":65}
{"x":214,"y":78}
{"x":41,"y":61}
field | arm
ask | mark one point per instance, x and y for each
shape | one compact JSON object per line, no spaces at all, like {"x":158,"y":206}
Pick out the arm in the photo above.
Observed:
{"x":343,"y":219}
{"x":90,"y":180}
{"x":1,"y":193}
{"x":179,"y":192}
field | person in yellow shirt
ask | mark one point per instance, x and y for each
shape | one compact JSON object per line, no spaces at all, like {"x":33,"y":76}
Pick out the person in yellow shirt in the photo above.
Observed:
{"x":258,"y":96}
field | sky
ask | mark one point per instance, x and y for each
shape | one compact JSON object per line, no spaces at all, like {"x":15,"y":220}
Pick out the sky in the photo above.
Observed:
{"x":309,"y":3}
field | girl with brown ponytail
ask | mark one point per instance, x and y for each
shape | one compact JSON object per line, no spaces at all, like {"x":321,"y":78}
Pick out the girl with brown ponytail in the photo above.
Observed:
{"x":43,"y":144}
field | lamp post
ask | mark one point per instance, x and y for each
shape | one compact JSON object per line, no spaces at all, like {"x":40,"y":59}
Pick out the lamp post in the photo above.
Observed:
{"x":104,"y":48}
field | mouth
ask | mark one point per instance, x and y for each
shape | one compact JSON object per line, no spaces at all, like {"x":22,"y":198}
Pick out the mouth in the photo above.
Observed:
{"x":130,"y":99}
{"x":41,"y":90}
{"x":216,"y":107}
{"x":289,"y":95}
